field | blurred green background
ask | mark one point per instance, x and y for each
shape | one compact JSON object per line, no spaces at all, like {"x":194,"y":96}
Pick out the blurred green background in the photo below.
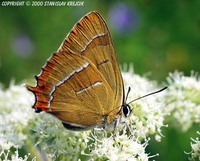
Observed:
{"x":157,"y":36}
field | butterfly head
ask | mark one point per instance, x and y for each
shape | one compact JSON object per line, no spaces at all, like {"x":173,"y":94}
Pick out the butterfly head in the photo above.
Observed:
{"x":126,"y":110}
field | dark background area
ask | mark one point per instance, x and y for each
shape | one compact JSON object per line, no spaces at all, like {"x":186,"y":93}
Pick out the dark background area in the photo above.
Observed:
{"x":157,"y":36}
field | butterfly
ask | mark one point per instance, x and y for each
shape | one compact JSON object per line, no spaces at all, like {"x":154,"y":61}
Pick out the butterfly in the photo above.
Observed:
{"x":81,"y":84}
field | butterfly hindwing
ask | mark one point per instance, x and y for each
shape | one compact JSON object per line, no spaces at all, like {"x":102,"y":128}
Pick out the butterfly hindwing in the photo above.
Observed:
{"x":68,"y":87}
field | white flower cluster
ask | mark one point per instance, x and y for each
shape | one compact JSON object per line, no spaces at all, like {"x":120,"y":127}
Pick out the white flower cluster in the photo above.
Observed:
{"x":118,"y":147}
{"x":14,"y":119}
{"x":21,"y":127}
{"x":46,"y":138}
{"x":7,"y":155}
{"x":195,"y":144}
{"x":55,"y":141}
{"x":148,"y":117}
{"x":182,"y":100}
{"x":58,"y":142}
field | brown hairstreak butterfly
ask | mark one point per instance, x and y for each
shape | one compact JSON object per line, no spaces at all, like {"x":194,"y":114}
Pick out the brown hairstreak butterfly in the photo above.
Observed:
{"x":81,"y":84}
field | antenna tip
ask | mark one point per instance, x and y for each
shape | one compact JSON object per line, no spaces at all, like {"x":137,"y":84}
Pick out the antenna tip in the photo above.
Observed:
{"x":164,"y":88}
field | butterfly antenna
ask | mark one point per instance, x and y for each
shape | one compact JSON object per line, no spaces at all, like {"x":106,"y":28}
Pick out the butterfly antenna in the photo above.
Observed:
{"x":146,"y":95}
{"x":129,"y":89}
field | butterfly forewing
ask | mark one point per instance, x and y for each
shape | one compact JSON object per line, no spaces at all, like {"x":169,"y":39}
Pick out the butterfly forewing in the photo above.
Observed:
{"x":91,"y":38}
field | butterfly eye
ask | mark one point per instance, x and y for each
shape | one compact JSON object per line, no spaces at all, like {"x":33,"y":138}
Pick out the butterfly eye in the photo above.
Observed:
{"x":126,"y":110}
